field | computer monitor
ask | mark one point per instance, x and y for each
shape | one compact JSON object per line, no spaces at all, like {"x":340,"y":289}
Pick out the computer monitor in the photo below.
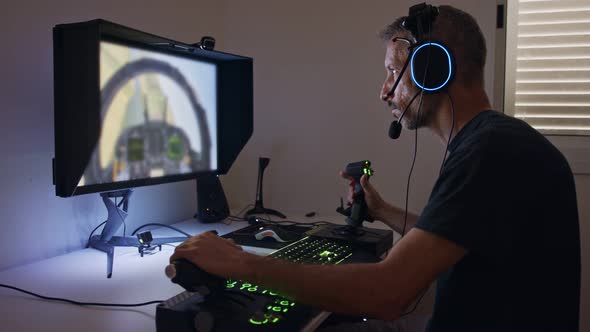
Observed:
{"x":134,"y":109}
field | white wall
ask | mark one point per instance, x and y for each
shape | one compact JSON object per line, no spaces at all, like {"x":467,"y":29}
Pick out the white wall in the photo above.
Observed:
{"x":34,"y":223}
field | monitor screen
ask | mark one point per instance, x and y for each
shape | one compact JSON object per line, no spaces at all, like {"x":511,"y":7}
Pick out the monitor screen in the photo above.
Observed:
{"x":134,"y":109}
{"x":158,"y":114}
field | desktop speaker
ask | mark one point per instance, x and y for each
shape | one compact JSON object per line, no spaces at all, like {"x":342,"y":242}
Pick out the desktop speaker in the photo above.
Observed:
{"x":211,"y":202}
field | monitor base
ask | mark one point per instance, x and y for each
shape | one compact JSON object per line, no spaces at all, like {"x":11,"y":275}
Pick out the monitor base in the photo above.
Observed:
{"x":107,"y":241}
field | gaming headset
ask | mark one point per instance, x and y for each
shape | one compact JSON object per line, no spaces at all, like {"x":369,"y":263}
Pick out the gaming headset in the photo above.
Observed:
{"x":432,"y":65}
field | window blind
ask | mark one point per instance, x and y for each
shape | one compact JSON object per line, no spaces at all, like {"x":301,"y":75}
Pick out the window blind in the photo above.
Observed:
{"x":552,"y":69}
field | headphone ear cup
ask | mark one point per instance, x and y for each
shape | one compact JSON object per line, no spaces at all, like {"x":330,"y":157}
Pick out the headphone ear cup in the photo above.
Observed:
{"x":431,"y":66}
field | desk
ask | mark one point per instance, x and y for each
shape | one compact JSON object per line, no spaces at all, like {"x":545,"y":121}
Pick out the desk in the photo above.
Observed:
{"x":81,"y":276}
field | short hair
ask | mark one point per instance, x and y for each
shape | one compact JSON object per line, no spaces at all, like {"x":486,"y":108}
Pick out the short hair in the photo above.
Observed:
{"x":460,"y":32}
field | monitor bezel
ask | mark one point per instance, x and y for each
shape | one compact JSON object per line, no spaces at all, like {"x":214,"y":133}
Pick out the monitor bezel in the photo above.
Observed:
{"x":77,"y":44}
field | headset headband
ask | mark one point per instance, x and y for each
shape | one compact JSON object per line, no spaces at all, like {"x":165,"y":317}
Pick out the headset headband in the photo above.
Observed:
{"x":419,"y":20}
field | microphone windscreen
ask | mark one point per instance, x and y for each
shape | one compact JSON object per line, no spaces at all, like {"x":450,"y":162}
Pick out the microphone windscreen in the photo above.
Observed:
{"x":395,"y":129}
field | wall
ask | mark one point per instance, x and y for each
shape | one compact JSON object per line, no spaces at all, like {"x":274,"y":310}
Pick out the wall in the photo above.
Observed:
{"x":34,"y":223}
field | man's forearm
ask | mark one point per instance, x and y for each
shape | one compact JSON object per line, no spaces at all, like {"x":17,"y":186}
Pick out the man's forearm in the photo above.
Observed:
{"x":351,"y":288}
{"x":395,"y":218}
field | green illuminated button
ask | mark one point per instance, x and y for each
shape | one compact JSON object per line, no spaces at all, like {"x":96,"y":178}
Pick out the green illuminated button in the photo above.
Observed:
{"x":285,"y":310}
{"x":257,"y":322}
{"x":325,"y":253}
{"x":276,"y":319}
{"x":277,"y":309}
{"x":284,"y":303}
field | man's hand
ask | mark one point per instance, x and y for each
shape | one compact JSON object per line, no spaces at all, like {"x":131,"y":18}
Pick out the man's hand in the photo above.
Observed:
{"x":377,"y":206}
{"x":214,"y":254}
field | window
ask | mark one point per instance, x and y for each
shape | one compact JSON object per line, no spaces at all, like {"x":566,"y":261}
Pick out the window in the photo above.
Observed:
{"x":544,"y":77}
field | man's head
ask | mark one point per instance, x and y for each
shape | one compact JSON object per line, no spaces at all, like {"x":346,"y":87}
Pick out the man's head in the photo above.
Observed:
{"x":453,"y":28}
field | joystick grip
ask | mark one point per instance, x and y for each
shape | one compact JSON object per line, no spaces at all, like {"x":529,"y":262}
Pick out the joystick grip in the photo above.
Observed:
{"x":192,"y":278}
{"x":358,"y":192}
{"x":358,"y":211}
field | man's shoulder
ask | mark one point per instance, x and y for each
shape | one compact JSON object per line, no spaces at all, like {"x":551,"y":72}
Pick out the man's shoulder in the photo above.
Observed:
{"x":497,"y":134}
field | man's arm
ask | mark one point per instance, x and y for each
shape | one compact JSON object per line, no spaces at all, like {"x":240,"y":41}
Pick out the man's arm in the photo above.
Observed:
{"x":380,"y":210}
{"x":381,"y":290}
{"x":395,"y":218}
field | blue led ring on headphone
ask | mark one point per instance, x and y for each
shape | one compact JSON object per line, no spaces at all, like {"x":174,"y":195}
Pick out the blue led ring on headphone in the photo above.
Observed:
{"x":434,"y":60}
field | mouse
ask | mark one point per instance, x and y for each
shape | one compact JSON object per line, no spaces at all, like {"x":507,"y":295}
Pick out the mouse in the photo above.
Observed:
{"x":276,"y":233}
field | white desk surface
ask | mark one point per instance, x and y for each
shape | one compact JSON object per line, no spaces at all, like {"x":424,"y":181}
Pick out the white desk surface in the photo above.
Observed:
{"x":81,"y":276}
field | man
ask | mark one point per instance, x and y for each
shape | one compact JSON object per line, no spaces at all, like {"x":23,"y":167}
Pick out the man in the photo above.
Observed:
{"x":499,"y":232}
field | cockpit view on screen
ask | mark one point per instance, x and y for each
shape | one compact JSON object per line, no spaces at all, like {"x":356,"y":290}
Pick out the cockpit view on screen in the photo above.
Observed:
{"x":157,"y":115}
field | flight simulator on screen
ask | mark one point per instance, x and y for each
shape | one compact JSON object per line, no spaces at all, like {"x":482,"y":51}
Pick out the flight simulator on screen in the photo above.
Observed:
{"x":158,"y":116}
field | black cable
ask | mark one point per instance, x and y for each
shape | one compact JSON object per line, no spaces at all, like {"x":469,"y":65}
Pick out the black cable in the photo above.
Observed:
{"x":440,"y":172}
{"x":244,"y":209}
{"x":162,"y":225}
{"x":291,"y":222}
{"x":410,"y":173}
{"x":413,"y":162}
{"x":418,"y":118}
{"x":237,"y":218}
{"x":450,"y":133}
{"x":81,"y":303}
{"x":287,"y":223}
{"x":416,"y":303}
{"x":94,"y":230}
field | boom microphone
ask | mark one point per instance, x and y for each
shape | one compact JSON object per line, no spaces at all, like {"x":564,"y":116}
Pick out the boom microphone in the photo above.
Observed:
{"x":395,"y":129}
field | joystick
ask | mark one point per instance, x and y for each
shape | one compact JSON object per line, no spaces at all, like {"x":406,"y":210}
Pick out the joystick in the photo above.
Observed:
{"x":358,"y":211}
{"x":192,"y":278}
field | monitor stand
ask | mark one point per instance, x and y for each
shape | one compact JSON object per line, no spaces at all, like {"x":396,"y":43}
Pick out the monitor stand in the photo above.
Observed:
{"x":107,"y":241}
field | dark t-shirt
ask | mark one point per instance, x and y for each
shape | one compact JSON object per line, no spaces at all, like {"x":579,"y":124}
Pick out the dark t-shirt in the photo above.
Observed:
{"x":506,"y":195}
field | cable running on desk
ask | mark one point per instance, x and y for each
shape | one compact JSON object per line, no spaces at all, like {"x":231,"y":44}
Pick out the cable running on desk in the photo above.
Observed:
{"x":95,"y":304}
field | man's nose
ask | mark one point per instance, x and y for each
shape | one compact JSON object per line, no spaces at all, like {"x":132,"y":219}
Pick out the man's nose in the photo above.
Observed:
{"x":385,"y":91}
